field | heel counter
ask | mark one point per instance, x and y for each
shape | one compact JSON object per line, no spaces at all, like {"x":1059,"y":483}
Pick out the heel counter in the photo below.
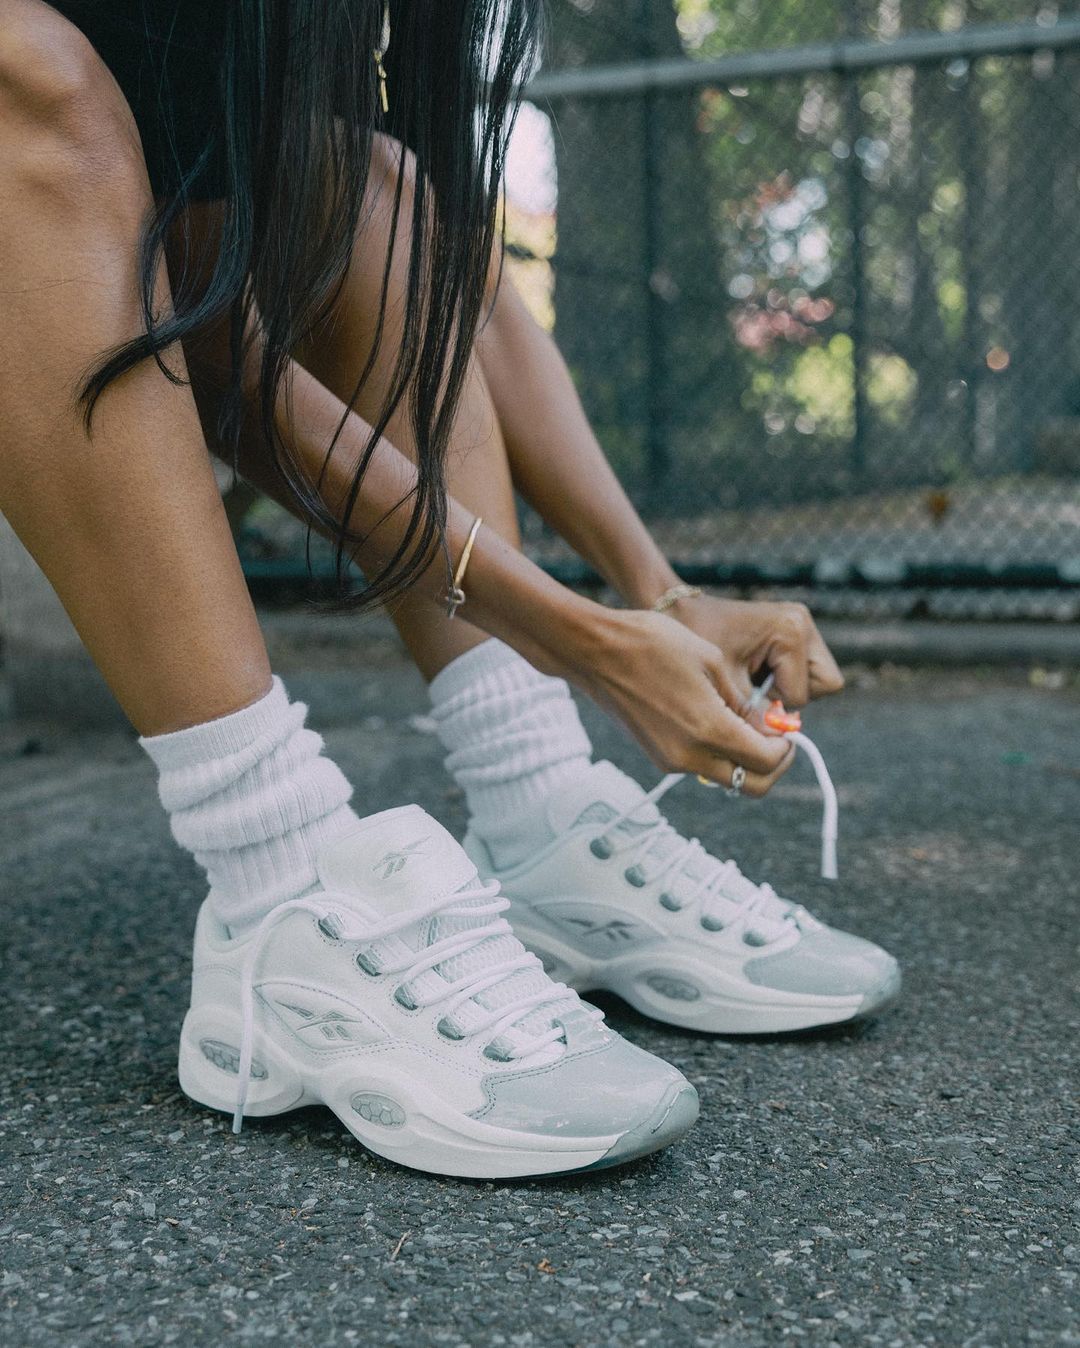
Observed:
{"x":214,"y":972}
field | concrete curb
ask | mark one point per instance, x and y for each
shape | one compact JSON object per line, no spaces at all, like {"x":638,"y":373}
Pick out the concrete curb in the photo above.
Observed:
{"x":913,"y":642}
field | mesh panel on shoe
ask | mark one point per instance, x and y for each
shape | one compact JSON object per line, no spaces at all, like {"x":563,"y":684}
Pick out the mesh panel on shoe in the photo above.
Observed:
{"x":483,"y":956}
{"x":722,"y":903}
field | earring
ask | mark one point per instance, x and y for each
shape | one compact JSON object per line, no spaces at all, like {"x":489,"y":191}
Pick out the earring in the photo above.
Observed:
{"x":380,"y":52}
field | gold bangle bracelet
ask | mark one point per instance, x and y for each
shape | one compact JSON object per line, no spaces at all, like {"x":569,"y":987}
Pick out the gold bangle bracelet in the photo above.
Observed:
{"x":672,"y":596}
{"x":456,"y":596}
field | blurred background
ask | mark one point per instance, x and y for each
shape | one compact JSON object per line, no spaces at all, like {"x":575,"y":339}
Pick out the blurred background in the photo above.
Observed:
{"x":813,"y":264}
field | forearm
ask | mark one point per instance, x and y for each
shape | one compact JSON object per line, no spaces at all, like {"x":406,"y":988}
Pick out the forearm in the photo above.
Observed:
{"x":507,"y":595}
{"x":556,"y":461}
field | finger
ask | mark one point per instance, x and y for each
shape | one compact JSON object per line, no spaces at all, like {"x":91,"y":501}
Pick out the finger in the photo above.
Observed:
{"x":825,"y":676}
{"x":733,"y":685}
{"x":791,"y":672}
{"x":789,"y":652}
{"x":754,"y":784}
{"x":734,"y":739}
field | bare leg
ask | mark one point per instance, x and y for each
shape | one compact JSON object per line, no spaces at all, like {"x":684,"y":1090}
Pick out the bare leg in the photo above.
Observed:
{"x":127,"y":524}
{"x":478,"y":472}
{"x":641,"y":666}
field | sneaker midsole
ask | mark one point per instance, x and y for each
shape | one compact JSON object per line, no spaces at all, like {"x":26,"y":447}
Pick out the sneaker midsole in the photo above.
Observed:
{"x":390,"y":1111}
{"x":680,"y":988}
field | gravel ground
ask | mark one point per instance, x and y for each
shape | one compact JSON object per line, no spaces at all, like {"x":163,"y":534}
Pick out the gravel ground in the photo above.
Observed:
{"x":911,"y":1181}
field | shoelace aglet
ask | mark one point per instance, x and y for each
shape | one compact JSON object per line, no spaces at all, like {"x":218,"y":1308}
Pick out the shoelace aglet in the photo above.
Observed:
{"x":241,"y":1094}
{"x":828,"y":859}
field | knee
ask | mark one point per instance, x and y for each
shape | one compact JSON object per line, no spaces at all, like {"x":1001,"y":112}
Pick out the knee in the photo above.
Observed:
{"x":64,"y":123}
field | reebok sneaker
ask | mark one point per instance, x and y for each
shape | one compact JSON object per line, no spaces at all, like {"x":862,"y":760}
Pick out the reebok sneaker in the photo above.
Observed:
{"x":620,"y":901}
{"x":397,"y":995}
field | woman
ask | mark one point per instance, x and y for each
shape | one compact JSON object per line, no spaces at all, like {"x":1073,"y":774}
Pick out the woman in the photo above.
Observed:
{"x":211,"y":237}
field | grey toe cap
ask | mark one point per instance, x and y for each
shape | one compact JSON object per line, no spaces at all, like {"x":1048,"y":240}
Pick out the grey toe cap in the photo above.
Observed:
{"x":675,"y":1115}
{"x":829,"y":963}
{"x":614,"y":1088}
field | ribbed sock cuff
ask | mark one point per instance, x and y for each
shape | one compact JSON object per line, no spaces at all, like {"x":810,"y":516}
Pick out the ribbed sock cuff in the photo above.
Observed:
{"x":252,"y":797}
{"x":221,"y":738}
{"x":486,"y":661}
{"x":513,"y":734}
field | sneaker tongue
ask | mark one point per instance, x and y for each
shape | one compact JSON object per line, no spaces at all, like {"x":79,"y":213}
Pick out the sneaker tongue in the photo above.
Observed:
{"x":396,"y":861}
{"x":597,"y":795}
{"x":403,"y":860}
{"x":603,"y":793}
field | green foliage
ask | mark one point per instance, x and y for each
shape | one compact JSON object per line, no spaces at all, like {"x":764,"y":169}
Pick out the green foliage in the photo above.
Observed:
{"x":737,"y":312}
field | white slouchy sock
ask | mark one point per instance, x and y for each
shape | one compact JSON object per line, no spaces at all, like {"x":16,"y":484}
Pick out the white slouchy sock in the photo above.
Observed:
{"x":252,"y":797}
{"x":512,"y":735}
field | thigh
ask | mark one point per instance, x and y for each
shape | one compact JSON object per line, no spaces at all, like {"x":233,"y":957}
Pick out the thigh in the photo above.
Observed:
{"x":124,"y":516}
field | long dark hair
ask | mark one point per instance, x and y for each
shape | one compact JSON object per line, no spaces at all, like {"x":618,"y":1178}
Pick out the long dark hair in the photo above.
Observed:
{"x":301,"y":103}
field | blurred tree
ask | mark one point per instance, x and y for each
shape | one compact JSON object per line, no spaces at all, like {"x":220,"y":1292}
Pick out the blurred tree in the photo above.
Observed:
{"x":706,"y":263}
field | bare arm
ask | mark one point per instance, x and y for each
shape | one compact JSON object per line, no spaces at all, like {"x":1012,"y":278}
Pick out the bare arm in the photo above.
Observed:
{"x":673,"y":689}
{"x":556,"y":460}
{"x":559,"y":467}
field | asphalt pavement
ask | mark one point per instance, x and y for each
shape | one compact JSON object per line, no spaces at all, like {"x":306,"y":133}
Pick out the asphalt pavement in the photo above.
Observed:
{"x":909,"y":1181}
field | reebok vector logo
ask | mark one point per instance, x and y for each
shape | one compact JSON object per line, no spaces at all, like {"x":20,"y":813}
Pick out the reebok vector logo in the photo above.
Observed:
{"x":616,"y":931}
{"x":598,"y":929}
{"x":329,"y":1025}
{"x":391,"y":862}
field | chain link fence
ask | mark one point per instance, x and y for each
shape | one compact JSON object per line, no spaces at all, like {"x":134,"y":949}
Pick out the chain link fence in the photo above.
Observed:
{"x":814,"y":267}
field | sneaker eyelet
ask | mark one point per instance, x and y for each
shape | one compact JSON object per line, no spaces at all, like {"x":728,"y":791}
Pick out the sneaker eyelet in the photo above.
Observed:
{"x":634,"y":875}
{"x":364,"y":964}
{"x":493,"y":1053}
{"x":328,"y":927}
{"x":671,"y":904}
{"x":404,"y":1000}
{"x":753,"y":939}
{"x":447,"y":1031}
{"x":712,"y":923}
{"x":601,"y":848}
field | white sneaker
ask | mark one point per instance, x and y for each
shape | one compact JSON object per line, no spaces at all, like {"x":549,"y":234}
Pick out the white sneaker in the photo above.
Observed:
{"x":397,"y":995}
{"x":620,"y":901}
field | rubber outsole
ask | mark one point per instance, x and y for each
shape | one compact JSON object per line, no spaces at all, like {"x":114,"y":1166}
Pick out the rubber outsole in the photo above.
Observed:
{"x":390,"y":1120}
{"x":679,"y":993}
{"x":882,"y":998}
{"x":675,"y":1116}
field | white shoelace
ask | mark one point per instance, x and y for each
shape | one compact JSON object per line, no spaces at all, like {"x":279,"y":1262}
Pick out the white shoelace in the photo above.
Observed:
{"x":830,"y":816}
{"x":679,"y":856}
{"x":830,"y":812}
{"x":474,"y":901}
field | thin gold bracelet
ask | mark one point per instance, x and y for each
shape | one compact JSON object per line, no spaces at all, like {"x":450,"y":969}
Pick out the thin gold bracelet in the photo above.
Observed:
{"x":672,"y":596}
{"x":456,"y":596}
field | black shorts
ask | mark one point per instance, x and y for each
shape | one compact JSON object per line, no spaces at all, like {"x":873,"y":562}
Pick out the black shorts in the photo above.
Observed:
{"x":166,"y":56}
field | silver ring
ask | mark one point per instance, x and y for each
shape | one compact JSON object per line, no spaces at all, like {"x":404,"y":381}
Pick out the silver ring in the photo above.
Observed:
{"x":738,"y":777}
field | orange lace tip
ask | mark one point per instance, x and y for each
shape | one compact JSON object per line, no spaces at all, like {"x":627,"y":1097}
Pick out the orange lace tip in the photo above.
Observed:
{"x":778,"y":718}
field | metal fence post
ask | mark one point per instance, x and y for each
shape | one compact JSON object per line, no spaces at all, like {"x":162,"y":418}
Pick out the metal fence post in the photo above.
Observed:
{"x":856,"y":213}
{"x":656,"y":448}
{"x":971,"y":139}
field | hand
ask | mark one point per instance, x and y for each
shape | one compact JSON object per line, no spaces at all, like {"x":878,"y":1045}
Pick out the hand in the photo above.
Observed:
{"x":675,"y":692}
{"x":758,"y":638}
